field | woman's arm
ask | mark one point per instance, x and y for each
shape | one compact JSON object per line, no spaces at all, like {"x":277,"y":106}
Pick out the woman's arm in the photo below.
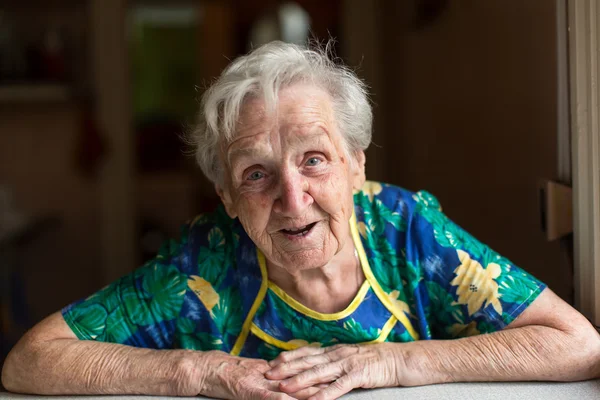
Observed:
{"x":49,"y":359}
{"x":548,"y":341}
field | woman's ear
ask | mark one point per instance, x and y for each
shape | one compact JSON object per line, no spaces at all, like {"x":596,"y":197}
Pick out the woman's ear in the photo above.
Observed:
{"x":358,"y":173}
{"x":227,"y":202}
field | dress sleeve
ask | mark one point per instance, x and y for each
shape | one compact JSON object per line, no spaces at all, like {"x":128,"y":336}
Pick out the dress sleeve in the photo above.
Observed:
{"x":139,"y":309}
{"x":467,"y":288}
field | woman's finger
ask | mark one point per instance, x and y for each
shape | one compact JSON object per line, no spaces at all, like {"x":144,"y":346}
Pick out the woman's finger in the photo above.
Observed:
{"x":319,"y":374}
{"x":273,"y":396}
{"x":306,"y":393}
{"x":271,"y":385}
{"x":294,"y":367}
{"x":287,"y":356}
{"x":337,"y":389}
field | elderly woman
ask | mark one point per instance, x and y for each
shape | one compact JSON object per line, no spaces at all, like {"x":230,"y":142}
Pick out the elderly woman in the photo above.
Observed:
{"x":341,"y":283}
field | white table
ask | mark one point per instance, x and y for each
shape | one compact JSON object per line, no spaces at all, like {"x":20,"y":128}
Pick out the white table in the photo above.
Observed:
{"x":587,"y":390}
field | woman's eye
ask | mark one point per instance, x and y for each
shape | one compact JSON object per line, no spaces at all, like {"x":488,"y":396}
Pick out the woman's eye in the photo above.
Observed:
{"x":313,"y":161}
{"x":256,"y":175}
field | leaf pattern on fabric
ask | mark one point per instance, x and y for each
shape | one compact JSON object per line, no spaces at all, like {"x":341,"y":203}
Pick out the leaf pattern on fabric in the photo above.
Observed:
{"x":227,"y":315}
{"x":446,"y":232}
{"x":398,"y":278}
{"x":90,"y":319}
{"x":108,"y":296}
{"x":267,"y":351}
{"x":172,"y":248}
{"x":442,"y":307}
{"x":376,"y":216}
{"x":164,"y":287}
{"x":355,"y":330}
{"x":117,"y":328}
{"x":411,"y":273}
{"x":384,"y":264}
{"x":486,"y":327}
{"x":396,"y":337}
{"x":401,"y":305}
{"x":189,"y":296}
{"x":476,"y":285}
{"x":159,"y":297}
{"x":517,"y":287}
{"x":211,"y":259}
{"x":189,"y":338}
{"x":326,"y":333}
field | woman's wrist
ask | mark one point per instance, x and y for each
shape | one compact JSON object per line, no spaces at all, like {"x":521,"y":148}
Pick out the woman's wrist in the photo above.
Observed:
{"x":192,"y":372}
{"x":415,"y":367}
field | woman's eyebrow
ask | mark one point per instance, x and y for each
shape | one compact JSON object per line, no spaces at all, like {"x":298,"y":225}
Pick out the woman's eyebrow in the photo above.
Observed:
{"x":311,"y":137}
{"x":238,"y":154}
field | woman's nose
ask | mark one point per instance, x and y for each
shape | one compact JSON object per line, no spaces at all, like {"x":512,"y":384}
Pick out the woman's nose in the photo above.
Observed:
{"x":293,"y":199}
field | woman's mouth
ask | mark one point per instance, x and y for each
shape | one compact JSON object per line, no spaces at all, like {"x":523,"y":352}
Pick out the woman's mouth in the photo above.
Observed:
{"x":299,"y":231}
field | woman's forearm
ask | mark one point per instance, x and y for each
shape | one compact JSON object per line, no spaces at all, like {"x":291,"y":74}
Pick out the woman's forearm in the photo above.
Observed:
{"x":520,"y":354}
{"x":70,"y":366}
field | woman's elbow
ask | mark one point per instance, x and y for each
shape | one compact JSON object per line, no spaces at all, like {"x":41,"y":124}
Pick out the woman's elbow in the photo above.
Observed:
{"x":22,"y":362}
{"x":587,"y":339}
{"x":7,"y":376}
{"x":15,"y":366}
{"x":595,"y":356}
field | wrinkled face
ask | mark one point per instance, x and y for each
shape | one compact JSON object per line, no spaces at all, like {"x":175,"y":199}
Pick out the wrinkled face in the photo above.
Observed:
{"x":289,"y":180}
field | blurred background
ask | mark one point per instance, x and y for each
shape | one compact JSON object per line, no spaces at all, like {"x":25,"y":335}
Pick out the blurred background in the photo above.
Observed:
{"x":95,"y":94}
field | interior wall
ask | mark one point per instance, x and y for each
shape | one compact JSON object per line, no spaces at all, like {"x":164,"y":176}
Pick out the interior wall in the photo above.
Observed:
{"x":472,"y":116}
{"x":38,"y":145}
{"x":364,"y":53}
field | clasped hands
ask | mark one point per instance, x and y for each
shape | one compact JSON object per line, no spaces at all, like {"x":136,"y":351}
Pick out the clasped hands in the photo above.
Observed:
{"x":312,"y":373}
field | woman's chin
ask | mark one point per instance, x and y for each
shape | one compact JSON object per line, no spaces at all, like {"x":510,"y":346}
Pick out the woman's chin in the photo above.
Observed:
{"x":303,"y":259}
{"x":313,"y":249}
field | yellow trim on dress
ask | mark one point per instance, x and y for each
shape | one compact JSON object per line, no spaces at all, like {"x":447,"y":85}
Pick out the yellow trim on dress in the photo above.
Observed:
{"x":271,"y":340}
{"x":370,"y":281}
{"x":385,"y":331}
{"x":296,"y":305}
{"x":399,"y":314}
{"x":265,"y":337}
{"x":241,"y":340}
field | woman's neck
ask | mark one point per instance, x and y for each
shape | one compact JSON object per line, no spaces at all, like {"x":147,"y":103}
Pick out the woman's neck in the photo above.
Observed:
{"x":327,"y":289}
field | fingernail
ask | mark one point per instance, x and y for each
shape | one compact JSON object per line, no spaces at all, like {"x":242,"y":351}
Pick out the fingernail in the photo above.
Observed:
{"x":284,"y":382}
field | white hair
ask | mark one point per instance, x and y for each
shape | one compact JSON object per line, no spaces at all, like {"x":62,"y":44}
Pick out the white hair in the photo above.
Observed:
{"x":263,"y":73}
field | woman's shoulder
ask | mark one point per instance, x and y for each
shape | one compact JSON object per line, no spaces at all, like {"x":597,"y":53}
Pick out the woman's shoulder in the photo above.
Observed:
{"x":375,"y":194}
{"x":211,"y":229}
{"x":208,"y":240}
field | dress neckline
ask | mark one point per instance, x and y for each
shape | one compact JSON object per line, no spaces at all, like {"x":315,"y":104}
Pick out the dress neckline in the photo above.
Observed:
{"x":301,"y":308}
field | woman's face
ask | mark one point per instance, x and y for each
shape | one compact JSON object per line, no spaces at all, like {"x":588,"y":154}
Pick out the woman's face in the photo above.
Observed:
{"x":289,"y":180}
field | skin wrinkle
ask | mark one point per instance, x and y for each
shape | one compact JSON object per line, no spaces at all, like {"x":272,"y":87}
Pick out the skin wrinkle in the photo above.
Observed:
{"x":509,"y":353}
{"x":104,"y":362}
{"x":290,"y":194}
{"x":93,"y":367}
{"x":544,"y":346}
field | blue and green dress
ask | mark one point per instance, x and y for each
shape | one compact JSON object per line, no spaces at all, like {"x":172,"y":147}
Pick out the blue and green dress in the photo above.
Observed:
{"x":426,"y":278}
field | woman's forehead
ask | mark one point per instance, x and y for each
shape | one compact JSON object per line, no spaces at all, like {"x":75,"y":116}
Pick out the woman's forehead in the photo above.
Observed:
{"x":301,"y":114}
{"x":297,"y":105}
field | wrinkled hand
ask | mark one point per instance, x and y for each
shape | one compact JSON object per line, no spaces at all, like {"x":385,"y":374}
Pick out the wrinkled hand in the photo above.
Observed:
{"x":342,"y":367}
{"x":231,"y":377}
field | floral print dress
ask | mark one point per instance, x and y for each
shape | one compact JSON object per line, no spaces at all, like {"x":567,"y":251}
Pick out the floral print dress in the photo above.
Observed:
{"x":426,"y":278}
